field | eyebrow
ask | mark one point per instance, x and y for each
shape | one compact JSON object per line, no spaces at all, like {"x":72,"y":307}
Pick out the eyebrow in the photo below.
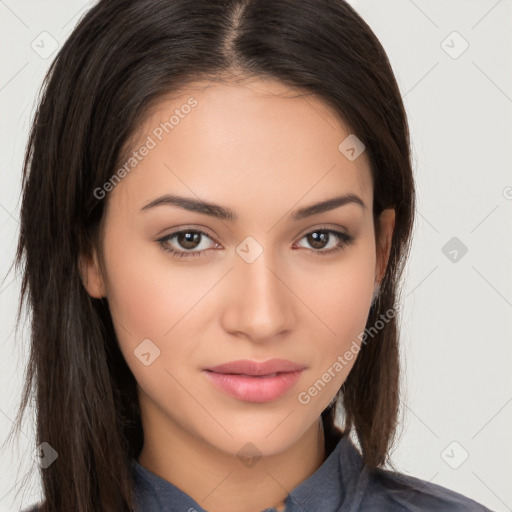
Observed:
{"x":224,"y":213}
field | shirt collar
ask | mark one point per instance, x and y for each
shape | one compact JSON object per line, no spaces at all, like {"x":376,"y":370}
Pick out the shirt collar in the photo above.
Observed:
{"x":331,"y":485}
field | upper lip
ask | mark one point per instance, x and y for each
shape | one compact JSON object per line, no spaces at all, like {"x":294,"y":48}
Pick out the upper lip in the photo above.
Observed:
{"x":248,"y":367}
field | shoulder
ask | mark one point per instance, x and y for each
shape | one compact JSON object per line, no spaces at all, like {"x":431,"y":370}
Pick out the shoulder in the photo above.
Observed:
{"x":388,"y":490}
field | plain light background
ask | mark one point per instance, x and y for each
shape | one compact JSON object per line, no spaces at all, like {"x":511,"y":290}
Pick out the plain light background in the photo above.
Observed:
{"x":452,"y":59}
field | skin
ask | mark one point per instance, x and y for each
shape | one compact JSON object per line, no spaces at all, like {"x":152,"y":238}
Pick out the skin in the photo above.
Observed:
{"x":262,"y":152}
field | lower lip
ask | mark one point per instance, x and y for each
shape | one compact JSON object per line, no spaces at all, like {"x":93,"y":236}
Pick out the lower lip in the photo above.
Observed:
{"x":254,"y":389}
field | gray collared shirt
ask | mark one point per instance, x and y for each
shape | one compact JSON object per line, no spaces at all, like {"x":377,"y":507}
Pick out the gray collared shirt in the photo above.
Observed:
{"x":343,"y":483}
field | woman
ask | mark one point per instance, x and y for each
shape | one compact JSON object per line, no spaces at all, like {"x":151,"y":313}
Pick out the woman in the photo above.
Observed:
{"x":218,"y":203}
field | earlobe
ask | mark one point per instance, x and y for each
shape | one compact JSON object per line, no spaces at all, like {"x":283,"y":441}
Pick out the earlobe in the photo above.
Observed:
{"x":387,"y":226}
{"x":91,"y":275}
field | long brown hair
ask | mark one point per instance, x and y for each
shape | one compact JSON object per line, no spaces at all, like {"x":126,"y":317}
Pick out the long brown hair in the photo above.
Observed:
{"x":122,"y":57}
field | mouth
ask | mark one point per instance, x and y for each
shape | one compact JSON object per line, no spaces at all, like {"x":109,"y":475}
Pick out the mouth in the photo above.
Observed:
{"x":254,"y":388}
{"x":250,"y":368}
{"x":248,"y":374}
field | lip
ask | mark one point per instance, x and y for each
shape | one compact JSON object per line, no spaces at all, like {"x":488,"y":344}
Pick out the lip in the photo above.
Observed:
{"x":255,"y":368}
{"x":254,"y":388}
{"x":251,"y":381}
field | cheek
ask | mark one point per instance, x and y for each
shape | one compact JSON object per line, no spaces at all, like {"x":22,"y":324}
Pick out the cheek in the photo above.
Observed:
{"x":340,"y":294}
{"x":148,"y":294}
{"x":339,"y":298}
{"x":151,"y":297}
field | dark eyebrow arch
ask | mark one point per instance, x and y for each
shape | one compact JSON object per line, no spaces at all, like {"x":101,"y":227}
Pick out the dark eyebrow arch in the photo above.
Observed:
{"x":325,"y":206}
{"x":223,"y":213}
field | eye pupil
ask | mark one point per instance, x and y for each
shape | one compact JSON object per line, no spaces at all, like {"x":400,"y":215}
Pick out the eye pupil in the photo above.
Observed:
{"x":188,"y":239}
{"x":317,"y":236}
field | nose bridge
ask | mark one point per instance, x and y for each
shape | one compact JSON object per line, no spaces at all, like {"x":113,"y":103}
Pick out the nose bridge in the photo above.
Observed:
{"x":261,"y":305}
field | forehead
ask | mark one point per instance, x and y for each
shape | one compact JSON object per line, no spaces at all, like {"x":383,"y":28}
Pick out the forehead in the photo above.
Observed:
{"x":259,"y":136}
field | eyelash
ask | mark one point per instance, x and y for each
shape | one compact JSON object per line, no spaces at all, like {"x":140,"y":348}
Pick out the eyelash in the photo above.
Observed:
{"x":345,"y":240}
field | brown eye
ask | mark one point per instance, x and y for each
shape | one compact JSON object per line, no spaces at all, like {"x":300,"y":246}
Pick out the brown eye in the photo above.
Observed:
{"x":321,"y":238}
{"x":318,"y":239}
{"x":184,"y":243}
{"x":188,"y":239}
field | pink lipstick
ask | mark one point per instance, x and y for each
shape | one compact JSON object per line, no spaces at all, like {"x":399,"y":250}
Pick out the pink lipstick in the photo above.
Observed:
{"x":252,"y":381}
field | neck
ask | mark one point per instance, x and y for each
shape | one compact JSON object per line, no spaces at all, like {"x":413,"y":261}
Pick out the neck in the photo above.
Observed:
{"x":218,"y":481}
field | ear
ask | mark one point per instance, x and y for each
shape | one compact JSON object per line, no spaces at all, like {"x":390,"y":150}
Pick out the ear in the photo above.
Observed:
{"x":92,"y":278}
{"x":387,"y":226}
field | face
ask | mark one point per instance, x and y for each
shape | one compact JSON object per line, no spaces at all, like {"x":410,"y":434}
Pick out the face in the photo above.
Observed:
{"x":189,"y":290}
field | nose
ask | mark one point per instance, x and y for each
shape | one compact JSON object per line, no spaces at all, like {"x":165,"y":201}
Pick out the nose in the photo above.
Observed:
{"x":259,"y":303}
